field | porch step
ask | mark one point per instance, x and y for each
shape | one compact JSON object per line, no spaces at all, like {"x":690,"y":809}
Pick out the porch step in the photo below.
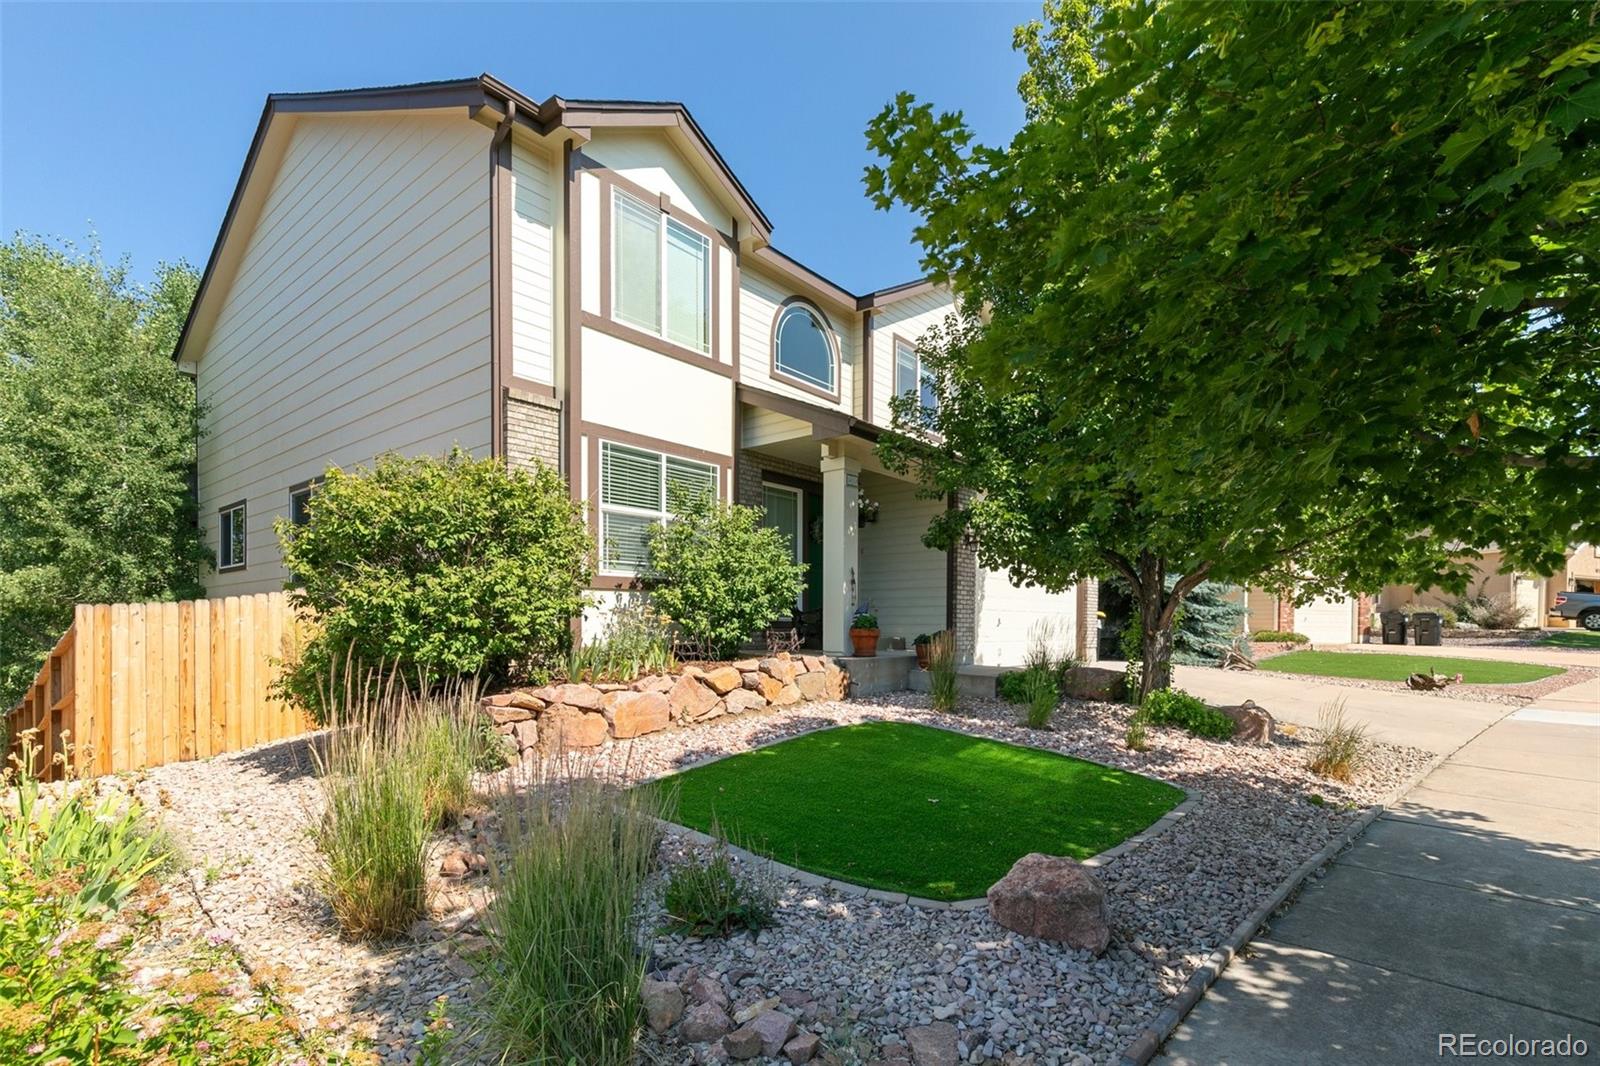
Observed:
{"x":978,"y":682}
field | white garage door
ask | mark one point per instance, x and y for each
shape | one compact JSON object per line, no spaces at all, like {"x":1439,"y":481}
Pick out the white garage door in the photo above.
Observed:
{"x":1327,"y":621}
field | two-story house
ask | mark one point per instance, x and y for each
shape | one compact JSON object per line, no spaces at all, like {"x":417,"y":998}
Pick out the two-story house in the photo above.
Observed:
{"x":583,"y":283}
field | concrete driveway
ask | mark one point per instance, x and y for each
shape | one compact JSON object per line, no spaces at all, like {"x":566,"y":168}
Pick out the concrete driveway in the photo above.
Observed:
{"x":1471,"y":907}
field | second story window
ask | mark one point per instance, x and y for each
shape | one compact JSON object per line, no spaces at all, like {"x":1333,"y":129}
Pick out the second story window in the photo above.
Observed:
{"x":802,"y":348}
{"x":660,"y":273}
{"x":911,"y":377}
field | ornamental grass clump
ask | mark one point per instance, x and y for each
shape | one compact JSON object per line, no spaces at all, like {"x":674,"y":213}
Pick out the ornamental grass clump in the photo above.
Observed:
{"x":942,"y":680}
{"x":396,"y":766}
{"x":1341,"y":747}
{"x":562,"y":976}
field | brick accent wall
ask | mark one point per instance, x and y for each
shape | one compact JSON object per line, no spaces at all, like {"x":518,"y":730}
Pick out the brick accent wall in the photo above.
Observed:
{"x":1285,"y":614}
{"x":753,"y":467}
{"x":533,"y":430}
{"x":1089,"y":620}
{"x":964,"y":595}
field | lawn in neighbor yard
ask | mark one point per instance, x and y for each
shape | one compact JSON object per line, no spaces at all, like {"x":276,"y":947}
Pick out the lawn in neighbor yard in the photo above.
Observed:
{"x":1572,"y":638}
{"x":1374,"y":666}
{"x":913,"y":809}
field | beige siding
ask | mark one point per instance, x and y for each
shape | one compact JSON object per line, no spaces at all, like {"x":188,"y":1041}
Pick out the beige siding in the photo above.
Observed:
{"x":901,"y":578}
{"x":647,"y":159}
{"x":534,"y":198}
{"x":634,"y":389}
{"x":357,"y":323}
{"x":909,"y":318}
{"x":760,"y":296}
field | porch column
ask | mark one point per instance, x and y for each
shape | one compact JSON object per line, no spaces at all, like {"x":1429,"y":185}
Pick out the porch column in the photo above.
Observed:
{"x":841,"y":479}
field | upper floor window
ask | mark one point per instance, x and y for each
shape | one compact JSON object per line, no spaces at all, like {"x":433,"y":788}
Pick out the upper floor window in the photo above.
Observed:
{"x":911,"y":377}
{"x":231,"y":537}
{"x":660,"y":273}
{"x":803,"y":349}
{"x":637,"y":490}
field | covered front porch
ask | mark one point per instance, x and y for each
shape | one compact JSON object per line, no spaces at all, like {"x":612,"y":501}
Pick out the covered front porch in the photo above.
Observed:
{"x":857,"y":526}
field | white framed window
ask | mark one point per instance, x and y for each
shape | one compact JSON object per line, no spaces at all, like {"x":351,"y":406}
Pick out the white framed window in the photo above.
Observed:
{"x":911,"y":378}
{"x":231,"y":541}
{"x":637,"y":489}
{"x":660,"y":273}
{"x":802,"y":348}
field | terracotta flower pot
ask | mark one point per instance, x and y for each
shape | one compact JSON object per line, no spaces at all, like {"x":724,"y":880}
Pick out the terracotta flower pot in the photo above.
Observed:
{"x":924,"y":654}
{"x":864,"y":642}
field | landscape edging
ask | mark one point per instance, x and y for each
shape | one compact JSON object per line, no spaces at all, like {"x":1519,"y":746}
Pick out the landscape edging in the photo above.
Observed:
{"x":1150,"y":1040}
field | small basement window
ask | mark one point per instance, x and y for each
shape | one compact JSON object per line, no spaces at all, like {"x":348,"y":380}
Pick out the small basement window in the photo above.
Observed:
{"x":231,"y":537}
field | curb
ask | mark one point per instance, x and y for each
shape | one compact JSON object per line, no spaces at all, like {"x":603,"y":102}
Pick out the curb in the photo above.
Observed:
{"x":1149,"y":1041}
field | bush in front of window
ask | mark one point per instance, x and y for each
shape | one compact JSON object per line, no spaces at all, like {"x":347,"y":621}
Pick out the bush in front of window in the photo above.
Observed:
{"x":442,"y":566}
{"x":719,"y":574}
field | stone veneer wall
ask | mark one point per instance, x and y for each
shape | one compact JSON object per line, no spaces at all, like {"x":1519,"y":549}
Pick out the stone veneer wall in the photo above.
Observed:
{"x":582,"y":715}
{"x":1089,"y":620}
{"x":532,"y":429}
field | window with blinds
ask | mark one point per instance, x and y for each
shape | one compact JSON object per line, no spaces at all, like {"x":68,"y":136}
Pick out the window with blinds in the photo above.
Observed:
{"x":639,"y":488}
{"x":660,"y":273}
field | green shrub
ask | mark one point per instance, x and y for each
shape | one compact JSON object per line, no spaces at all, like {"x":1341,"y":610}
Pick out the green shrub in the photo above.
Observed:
{"x":1279,"y":636}
{"x":637,"y":642}
{"x":943,"y":681}
{"x":1341,"y":747}
{"x":447,"y":566}
{"x":709,"y":898}
{"x":1174,"y":707}
{"x":719,"y":574}
{"x":1447,"y":614}
{"x":1043,"y":695}
{"x":562,"y":977}
{"x":395,"y":768}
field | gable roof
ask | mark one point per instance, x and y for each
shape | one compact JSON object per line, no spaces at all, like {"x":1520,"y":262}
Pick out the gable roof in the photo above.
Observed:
{"x":486,"y":93}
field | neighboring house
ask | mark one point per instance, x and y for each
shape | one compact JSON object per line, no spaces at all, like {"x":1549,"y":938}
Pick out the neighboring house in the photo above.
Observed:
{"x":580,"y":283}
{"x":1535,"y":593}
{"x":1326,"y":620}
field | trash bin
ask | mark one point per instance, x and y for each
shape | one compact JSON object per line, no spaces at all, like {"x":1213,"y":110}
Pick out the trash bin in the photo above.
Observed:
{"x":1394,"y":627}
{"x":1425,"y":628}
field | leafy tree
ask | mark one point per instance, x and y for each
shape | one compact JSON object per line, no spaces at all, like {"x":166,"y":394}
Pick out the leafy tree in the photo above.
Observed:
{"x":719,"y":574}
{"x":97,"y":445}
{"x":1291,"y":293}
{"x":449,"y":565}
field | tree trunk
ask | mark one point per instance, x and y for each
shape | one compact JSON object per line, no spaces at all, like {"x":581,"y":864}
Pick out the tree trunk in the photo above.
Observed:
{"x":1156,"y":622}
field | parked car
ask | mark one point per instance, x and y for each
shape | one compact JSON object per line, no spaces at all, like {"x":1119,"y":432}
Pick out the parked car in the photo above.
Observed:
{"x":1584,"y":606}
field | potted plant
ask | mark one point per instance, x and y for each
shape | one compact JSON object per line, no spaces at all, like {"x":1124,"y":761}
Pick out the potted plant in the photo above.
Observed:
{"x":864,"y":632}
{"x":924,"y":646}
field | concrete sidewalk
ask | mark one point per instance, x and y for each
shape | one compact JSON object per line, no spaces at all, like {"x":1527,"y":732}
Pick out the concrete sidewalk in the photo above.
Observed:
{"x":1471,"y":907}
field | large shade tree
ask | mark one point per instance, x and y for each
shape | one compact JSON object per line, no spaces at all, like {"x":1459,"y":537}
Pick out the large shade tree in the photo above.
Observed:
{"x":1266,"y":292}
{"x":97,"y":437}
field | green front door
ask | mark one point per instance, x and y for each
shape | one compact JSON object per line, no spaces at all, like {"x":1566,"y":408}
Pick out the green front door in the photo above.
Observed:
{"x":786,"y":512}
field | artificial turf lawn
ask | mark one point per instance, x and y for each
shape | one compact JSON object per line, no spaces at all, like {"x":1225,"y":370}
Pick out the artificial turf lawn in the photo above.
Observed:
{"x":912,"y":809}
{"x":1375,"y":666}
{"x":1571,"y":638}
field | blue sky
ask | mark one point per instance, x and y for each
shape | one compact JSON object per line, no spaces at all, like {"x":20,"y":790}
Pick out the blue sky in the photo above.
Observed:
{"x":132,"y":120}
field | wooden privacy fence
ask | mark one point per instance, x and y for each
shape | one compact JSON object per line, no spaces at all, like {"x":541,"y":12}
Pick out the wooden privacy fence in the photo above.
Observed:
{"x":133,"y":685}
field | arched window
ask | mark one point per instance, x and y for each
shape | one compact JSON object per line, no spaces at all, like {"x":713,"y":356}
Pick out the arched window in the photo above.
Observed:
{"x":803,"y":349}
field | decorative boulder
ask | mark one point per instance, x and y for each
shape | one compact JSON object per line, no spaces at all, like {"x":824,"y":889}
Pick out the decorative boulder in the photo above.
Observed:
{"x":527,"y":734}
{"x":740,"y":700}
{"x":934,"y":1045}
{"x":505,"y":715}
{"x":654,"y":683}
{"x":689,"y":699}
{"x":723,"y":680}
{"x":781,"y":667}
{"x":1054,"y":898}
{"x":774,"y":1028}
{"x":705,"y":1021}
{"x":568,"y":727}
{"x":769,"y":687}
{"x":631,"y":714}
{"x":1251,"y":723}
{"x":838,"y":682}
{"x":583,"y":697}
{"x":813,"y":686}
{"x":787,"y":695}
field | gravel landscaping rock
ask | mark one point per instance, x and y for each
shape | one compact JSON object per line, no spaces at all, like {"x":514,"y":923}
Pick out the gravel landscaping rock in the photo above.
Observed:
{"x":856,"y":973}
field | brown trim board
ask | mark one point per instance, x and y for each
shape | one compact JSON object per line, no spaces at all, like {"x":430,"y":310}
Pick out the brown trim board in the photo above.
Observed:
{"x":500,"y":205}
